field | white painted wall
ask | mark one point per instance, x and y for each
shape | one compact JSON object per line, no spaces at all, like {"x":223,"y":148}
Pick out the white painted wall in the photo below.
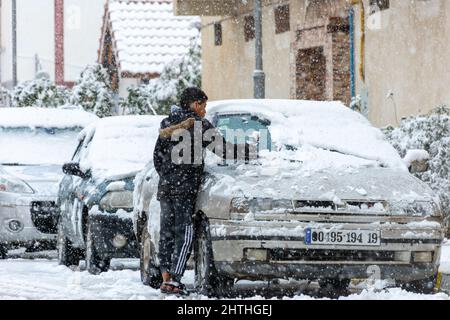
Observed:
{"x":83,"y":23}
{"x":35,"y":35}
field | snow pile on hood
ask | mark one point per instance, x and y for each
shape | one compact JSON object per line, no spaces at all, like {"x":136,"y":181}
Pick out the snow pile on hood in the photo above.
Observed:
{"x":325,"y":125}
{"x":32,"y":117}
{"x":121,"y":146}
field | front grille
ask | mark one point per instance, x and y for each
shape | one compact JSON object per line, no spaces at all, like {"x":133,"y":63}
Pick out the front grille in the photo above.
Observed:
{"x":330,"y":255}
{"x":44,"y":215}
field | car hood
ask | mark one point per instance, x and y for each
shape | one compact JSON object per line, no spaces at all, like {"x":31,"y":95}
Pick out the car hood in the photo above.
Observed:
{"x":352,"y":184}
{"x":43,"y":179}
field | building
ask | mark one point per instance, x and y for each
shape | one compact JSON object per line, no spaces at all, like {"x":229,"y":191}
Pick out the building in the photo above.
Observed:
{"x":405,"y":57}
{"x":393,"y":56}
{"x":59,"y":37}
{"x":305,"y":48}
{"x":140,"y":37}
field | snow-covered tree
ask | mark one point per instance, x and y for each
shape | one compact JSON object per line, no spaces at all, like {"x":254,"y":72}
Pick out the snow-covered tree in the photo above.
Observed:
{"x":40,"y":92}
{"x":432,"y":133}
{"x":92,"y":91}
{"x":163,"y":92}
{"x":5,"y":97}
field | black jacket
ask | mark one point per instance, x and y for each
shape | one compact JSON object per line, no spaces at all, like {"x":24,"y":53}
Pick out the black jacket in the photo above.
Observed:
{"x":183,"y":178}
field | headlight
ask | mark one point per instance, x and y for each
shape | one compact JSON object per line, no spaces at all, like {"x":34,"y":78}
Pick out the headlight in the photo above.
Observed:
{"x":117,"y":200}
{"x":10,"y":184}
{"x":258,"y":205}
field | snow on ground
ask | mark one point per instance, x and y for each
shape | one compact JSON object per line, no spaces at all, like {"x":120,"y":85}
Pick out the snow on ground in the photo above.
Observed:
{"x":44,"y":279}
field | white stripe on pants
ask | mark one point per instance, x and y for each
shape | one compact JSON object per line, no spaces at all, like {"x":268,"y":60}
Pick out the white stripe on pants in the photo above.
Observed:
{"x":188,"y":236}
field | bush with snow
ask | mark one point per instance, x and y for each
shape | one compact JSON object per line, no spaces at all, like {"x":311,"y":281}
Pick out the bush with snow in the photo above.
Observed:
{"x":161,"y":93}
{"x":431,"y":133}
{"x":40,"y":92}
{"x":5,"y":97}
{"x":92,"y":91}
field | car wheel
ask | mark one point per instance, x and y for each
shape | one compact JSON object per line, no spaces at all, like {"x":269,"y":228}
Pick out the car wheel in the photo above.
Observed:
{"x":333,"y":287}
{"x":424,"y":286}
{"x":94,"y":263}
{"x":150,"y":274}
{"x":67,"y":254}
{"x":3,"y":252}
{"x":207,"y":280}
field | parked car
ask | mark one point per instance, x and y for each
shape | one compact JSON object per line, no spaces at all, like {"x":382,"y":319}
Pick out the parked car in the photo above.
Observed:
{"x":328,"y":199}
{"x":95,"y":197}
{"x":34,"y":143}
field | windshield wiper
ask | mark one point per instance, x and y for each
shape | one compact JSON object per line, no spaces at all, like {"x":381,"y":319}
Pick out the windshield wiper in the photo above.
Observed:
{"x":294,"y":148}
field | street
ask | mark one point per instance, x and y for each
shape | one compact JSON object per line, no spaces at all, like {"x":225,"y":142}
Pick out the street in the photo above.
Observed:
{"x":31,"y":276}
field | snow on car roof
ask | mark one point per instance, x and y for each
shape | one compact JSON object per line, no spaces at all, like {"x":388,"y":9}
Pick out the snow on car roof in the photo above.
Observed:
{"x":34,"y":117}
{"x":328,"y":125}
{"x":121,"y":145}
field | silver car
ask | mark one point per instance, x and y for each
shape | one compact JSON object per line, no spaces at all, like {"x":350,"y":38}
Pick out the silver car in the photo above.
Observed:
{"x":34,"y":143}
{"x":328,"y":199}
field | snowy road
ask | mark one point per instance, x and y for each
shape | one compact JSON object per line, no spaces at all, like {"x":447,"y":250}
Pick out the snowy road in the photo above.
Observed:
{"x":45,"y":279}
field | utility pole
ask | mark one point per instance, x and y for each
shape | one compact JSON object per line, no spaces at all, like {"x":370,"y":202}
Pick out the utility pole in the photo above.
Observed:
{"x":14,"y":42}
{"x":258,"y":74}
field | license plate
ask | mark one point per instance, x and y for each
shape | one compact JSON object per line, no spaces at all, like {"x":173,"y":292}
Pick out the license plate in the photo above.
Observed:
{"x":343,"y":237}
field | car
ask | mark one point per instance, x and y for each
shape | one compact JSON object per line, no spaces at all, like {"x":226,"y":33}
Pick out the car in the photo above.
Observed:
{"x":34,"y":143}
{"x":95,"y":197}
{"x":327,"y":200}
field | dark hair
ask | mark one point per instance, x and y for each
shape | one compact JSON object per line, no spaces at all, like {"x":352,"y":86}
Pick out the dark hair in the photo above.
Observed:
{"x":191,"y":95}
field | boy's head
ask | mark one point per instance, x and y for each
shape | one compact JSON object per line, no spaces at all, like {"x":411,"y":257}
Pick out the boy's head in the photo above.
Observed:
{"x":194,"y":99}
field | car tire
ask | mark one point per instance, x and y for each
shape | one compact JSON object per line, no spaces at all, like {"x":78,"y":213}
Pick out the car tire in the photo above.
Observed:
{"x":94,"y":263}
{"x":67,"y":254}
{"x":207,"y":280}
{"x":333,"y":287}
{"x":424,"y":286}
{"x":3,"y":252}
{"x":150,"y":273}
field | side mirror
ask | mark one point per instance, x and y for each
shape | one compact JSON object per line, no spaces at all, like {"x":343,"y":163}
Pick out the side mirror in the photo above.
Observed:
{"x":73,"y":169}
{"x":417,"y":160}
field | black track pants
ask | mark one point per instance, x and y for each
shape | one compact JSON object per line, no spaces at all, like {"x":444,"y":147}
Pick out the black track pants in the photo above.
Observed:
{"x":176,"y":234}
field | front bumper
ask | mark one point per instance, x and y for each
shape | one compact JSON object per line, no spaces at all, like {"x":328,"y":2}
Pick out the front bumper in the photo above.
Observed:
{"x":26,"y":214}
{"x":105,"y":227}
{"x":288,"y":255}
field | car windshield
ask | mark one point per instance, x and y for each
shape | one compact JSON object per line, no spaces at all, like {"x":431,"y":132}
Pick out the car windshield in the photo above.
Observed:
{"x":241,"y":128}
{"x":37,"y":146}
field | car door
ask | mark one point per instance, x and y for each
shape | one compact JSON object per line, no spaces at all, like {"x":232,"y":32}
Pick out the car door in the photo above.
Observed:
{"x":69,"y":202}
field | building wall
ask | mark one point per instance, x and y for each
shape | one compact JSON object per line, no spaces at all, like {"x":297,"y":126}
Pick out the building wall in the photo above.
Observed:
{"x":407,"y":59}
{"x":35,"y":36}
{"x":83,"y":23}
{"x":228,"y":69}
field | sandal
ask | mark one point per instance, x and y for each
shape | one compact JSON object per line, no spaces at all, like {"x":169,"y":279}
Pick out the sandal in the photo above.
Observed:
{"x":172,"y":287}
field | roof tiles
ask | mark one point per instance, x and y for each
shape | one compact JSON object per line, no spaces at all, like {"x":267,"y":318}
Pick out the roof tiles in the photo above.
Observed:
{"x":147,"y":35}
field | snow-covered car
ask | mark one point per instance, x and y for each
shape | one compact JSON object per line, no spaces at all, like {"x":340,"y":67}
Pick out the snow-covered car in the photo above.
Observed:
{"x":34,"y":143}
{"x":96,"y":195}
{"x":328,"y":199}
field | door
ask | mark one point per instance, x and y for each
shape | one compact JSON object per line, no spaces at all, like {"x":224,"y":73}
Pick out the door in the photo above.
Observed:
{"x":311,"y":74}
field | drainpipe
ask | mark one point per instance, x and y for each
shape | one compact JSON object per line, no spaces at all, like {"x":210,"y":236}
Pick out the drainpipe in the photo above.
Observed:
{"x":351,"y":16}
{"x":362,"y":72}
{"x":258,"y":74}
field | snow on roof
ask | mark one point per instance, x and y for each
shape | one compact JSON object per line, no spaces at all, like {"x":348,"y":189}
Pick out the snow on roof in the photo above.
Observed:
{"x":147,"y":35}
{"x":45,"y":117}
{"x":121,"y":145}
{"x":328,"y":125}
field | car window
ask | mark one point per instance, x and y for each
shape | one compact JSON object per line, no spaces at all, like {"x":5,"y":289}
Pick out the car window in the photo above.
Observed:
{"x":241,"y":128}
